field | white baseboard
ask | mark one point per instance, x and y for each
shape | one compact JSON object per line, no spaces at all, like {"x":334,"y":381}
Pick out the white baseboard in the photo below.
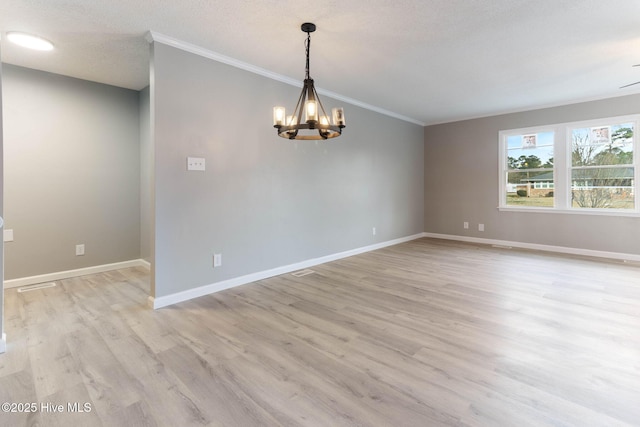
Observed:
{"x":538,"y":247}
{"x":3,"y":343}
{"x":60,"y":275}
{"x":177,"y":297}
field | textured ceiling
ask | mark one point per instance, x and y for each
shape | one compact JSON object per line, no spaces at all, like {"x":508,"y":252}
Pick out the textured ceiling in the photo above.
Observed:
{"x":431,"y":60}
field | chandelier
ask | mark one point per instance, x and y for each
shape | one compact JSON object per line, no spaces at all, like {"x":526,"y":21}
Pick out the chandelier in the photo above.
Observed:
{"x":309,"y":119}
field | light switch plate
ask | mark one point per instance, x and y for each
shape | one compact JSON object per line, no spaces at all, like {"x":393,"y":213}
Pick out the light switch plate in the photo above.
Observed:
{"x":8,"y":235}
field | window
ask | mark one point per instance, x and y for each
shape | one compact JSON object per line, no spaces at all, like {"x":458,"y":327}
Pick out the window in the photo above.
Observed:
{"x":529,"y":161}
{"x":586,"y":167}
{"x":602,"y":167}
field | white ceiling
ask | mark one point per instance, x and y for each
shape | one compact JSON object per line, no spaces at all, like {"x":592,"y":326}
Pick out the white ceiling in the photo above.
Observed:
{"x":430,"y":60}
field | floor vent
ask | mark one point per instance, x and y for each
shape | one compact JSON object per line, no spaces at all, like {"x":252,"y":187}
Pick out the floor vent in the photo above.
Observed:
{"x":502,"y":246}
{"x":36,"y":287}
{"x":301,"y":273}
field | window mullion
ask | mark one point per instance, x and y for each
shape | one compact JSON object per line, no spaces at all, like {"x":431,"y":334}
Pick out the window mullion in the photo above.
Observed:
{"x":561,"y":174}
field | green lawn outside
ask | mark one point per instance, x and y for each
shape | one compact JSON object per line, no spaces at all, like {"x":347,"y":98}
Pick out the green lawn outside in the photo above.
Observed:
{"x":547,"y":202}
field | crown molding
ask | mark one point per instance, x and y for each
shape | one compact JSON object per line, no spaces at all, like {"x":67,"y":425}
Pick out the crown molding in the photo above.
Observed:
{"x":153,"y":36}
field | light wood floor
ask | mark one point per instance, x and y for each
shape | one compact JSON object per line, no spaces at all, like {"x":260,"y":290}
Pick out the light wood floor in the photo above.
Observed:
{"x":425,"y":333}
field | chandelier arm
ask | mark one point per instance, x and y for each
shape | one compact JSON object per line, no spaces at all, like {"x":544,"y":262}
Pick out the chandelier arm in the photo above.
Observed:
{"x":300,"y":107}
{"x":297,"y":113}
{"x":324,"y":113}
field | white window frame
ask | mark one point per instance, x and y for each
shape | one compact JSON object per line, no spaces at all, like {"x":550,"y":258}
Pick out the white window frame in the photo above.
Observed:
{"x":503,"y":169}
{"x":562,"y":167}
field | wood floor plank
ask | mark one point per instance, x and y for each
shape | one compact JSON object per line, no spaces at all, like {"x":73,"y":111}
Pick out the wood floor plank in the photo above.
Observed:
{"x":222,"y":400}
{"x":76,"y":406}
{"x":54,"y":368}
{"x":426,"y":333}
{"x":157,"y":386}
{"x":18,"y":388}
{"x":109,"y":386}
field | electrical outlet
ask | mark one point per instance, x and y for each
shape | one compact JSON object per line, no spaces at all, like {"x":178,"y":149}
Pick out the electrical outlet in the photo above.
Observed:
{"x":80,"y":249}
{"x":466,"y":225}
{"x":195,"y":164}
{"x":480,"y":227}
{"x":217,"y":260}
{"x":374,"y":231}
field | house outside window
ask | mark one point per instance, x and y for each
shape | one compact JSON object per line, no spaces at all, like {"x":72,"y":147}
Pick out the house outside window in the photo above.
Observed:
{"x":582,"y":167}
{"x":529,"y":157}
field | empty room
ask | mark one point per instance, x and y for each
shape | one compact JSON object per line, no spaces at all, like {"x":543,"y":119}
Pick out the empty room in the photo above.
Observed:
{"x":279,"y":213}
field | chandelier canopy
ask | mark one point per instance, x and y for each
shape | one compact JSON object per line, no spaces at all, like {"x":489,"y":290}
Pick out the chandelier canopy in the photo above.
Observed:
{"x":309,"y":119}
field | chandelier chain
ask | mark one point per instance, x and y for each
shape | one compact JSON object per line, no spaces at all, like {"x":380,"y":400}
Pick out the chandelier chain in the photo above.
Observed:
{"x":307,"y":46}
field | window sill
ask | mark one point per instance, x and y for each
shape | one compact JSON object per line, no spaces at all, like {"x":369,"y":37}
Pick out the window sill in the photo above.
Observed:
{"x":600,"y":212}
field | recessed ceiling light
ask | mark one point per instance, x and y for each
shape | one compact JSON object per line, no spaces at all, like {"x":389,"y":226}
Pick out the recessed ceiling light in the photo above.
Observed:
{"x":29,"y":41}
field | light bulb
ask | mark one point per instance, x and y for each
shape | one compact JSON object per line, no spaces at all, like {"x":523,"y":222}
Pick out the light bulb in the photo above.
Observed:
{"x":311,"y":111}
{"x":338,"y":116}
{"x":278,"y":116}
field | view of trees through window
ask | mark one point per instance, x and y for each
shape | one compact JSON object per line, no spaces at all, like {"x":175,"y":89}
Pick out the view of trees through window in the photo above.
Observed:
{"x":602,"y":167}
{"x":581,"y":166}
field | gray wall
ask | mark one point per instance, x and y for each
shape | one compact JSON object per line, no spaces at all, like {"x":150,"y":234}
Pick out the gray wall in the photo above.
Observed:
{"x":461,"y":184}
{"x":146,"y":177}
{"x":266,"y":202}
{"x":72,"y":173}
